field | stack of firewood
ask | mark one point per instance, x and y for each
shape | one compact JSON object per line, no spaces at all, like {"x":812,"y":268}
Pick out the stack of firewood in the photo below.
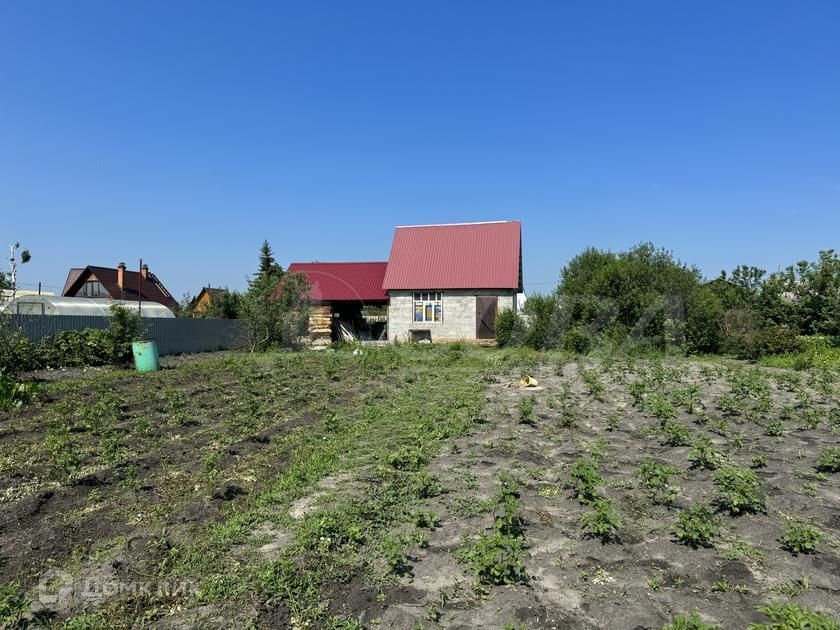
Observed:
{"x":320,"y":324}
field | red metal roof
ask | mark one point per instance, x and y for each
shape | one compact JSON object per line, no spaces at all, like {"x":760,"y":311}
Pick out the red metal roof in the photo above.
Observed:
{"x":338,"y":282}
{"x":456,"y":256}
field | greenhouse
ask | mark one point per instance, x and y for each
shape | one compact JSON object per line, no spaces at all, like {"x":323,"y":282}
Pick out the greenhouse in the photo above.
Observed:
{"x":56,"y":305}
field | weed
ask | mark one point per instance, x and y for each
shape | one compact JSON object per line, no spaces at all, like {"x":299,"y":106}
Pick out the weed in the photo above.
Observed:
{"x":426,"y":519}
{"x":829,"y":460}
{"x":611,"y":421}
{"x":791,"y":617}
{"x":14,"y":606}
{"x":601,"y":522}
{"x":801,"y":538}
{"x":407,"y":458}
{"x":738,"y":490}
{"x":496,"y":559}
{"x":792,"y":588}
{"x":724,"y":586}
{"x":14,"y":394}
{"x":759,"y":461}
{"x":697,"y":526}
{"x":774,"y":429}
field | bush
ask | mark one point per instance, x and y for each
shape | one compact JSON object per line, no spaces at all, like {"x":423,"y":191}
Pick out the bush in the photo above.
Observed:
{"x":510,"y":328}
{"x":801,"y":538}
{"x":738,"y":490}
{"x":577,"y":340}
{"x":771,"y":340}
{"x":697,"y":526}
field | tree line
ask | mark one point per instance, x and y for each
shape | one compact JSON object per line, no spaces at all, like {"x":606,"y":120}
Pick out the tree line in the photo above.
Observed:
{"x":644,"y":297}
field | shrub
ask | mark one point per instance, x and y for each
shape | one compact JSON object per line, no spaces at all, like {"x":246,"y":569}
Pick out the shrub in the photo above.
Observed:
{"x":602,"y":521}
{"x":738,"y":490}
{"x":510,"y":328}
{"x":793,"y":617}
{"x":801,"y":538}
{"x":829,"y":460}
{"x":697,"y":526}
{"x":577,"y":340}
{"x":14,"y":606}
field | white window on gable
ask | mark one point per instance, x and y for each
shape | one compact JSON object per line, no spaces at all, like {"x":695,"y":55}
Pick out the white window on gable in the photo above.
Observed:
{"x":428,"y":306}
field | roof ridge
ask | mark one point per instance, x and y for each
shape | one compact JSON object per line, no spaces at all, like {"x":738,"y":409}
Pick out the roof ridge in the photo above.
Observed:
{"x":465,"y":223}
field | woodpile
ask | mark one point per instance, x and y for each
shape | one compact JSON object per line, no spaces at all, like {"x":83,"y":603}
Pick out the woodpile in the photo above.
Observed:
{"x":320,"y":324}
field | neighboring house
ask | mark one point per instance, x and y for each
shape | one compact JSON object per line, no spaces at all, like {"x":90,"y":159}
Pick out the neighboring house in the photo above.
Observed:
{"x":348,"y":300}
{"x":448,"y":282}
{"x":206,"y":296}
{"x":117,"y":284}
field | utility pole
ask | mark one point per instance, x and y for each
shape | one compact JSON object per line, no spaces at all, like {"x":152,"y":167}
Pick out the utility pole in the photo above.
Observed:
{"x":13,"y":267}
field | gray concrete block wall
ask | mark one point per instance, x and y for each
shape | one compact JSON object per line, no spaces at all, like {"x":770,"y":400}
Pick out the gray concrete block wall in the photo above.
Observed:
{"x":458,"y":314}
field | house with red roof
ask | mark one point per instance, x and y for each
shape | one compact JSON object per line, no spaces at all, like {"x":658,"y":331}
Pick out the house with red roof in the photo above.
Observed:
{"x":117,"y":284}
{"x":348,"y":300}
{"x":440,"y":283}
{"x":448,"y":282}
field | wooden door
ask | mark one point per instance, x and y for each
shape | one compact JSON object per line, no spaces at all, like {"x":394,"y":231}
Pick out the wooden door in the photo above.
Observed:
{"x":485,"y":317}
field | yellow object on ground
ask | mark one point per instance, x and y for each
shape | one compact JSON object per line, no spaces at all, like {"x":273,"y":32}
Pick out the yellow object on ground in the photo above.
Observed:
{"x":528,"y":381}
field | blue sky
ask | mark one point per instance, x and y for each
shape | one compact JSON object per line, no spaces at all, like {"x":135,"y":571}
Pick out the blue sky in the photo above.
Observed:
{"x":187,"y":132}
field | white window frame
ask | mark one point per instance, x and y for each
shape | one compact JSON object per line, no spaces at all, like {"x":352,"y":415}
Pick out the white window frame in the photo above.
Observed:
{"x":426,"y":300}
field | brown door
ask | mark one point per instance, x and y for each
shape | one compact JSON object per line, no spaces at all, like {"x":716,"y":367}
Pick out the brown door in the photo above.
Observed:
{"x":485,"y":317}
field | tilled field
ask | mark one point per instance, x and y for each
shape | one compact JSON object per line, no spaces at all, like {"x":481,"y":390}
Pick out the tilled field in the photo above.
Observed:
{"x":422,"y":487}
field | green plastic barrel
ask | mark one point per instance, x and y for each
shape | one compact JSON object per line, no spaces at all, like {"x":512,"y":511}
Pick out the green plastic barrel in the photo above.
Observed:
{"x":145,"y":356}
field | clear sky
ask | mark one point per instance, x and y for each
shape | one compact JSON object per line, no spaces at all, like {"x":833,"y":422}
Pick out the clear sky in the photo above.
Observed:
{"x":187,"y":132}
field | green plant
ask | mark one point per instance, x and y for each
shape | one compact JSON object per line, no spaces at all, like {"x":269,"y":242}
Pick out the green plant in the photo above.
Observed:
{"x":759,"y":461}
{"x":774,"y":429}
{"x":510,"y":328}
{"x":793,"y":617}
{"x":14,"y":394}
{"x":526,"y":410}
{"x":688,"y":622}
{"x":655,"y":477}
{"x":801,"y":538}
{"x":675,"y":434}
{"x":585,"y":479}
{"x":601,"y":522}
{"x":738,"y":490}
{"x":407,"y":458}
{"x":792,"y":588}
{"x":697,"y":526}
{"x":704,"y":455}
{"x":14,"y":606}
{"x":829,"y":460}
{"x":426,"y":519}
{"x":593,"y":383}
{"x":496,"y":559}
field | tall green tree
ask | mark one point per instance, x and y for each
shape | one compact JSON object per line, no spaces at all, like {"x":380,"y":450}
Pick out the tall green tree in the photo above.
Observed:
{"x":268,"y":265}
